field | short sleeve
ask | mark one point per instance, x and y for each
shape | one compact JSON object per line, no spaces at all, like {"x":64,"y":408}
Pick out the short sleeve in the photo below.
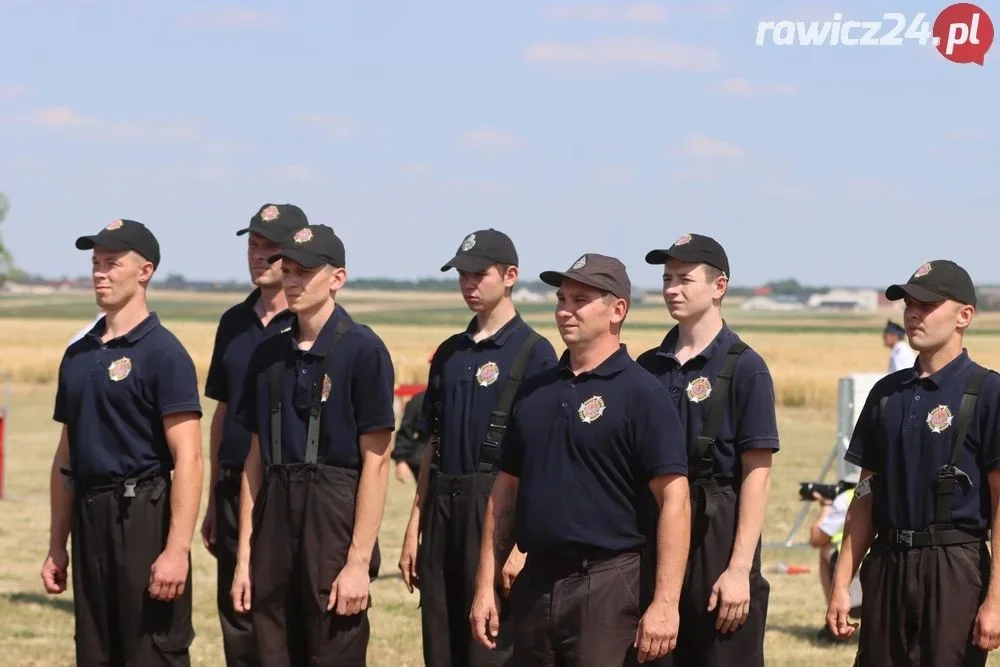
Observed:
{"x":659,"y":441}
{"x":756,"y":418}
{"x":372,"y":388}
{"x":176,"y":385}
{"x":834,"y":520}
{"x":542,"y":358}
{"x":861,"y":450}
{"x":990,"y":424}
{"x":512,"y":446}
{"x":61,"y":411}
{"x":216,"y":384}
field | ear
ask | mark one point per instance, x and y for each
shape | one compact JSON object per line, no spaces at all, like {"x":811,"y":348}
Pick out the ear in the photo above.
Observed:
{"x":619,"y":309}
{"x":338,"y":276}
{"x":721,"y":285}
{"x":510,"y":276}
{"x":964,"y":315}
{"x":146,"y":269}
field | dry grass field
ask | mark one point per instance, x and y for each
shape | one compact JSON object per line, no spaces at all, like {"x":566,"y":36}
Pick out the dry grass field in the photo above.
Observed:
{"x":806,"y":355}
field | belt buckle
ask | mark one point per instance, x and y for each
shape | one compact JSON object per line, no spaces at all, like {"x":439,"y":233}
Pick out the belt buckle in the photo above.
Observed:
{"x":130,"y":488}
{"x":904,"y":537}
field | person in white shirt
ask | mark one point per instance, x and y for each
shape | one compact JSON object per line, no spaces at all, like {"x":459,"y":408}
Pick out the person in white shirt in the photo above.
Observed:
{"x":901,"y":356}
{"x":84,"y":331}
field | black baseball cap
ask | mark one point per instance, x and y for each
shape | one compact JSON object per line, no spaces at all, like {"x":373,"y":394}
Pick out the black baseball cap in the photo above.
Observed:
{"x":600,"y":271}
{"x":275,"y":222}
{"x":482,"y":249}
{"x":938,"y":280}
{"x":694,"y":248}
{"x":312,"y":246}
{"x":124,"y":234}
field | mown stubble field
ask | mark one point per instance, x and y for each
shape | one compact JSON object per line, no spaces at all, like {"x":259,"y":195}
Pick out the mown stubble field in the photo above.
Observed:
{"x":806,"y":355}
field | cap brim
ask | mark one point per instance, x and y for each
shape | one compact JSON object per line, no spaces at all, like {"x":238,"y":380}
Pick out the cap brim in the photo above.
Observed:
{"x":307,"y":259}
{"x":468,"y":263}
{"x":680,"y":253}
{"x":555,"y":278}
{"x":272,"y":235}
{"x":921,"y":294}
{"x":658,"y":256}
{"x":89,"y":242}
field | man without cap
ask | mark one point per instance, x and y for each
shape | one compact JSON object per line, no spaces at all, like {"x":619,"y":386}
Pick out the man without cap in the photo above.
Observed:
{"x":588,"y":440}
{"x":128,"y":401}
{"x":472,"y":380}
{"x":725,"y":396}
{"x":264,"y":313}
{"x":928,"y":443}
{"x":319,"y":402}
{"x":901,"y":355}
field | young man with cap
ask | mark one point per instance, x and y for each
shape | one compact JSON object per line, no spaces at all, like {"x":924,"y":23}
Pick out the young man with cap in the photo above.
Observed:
{"x":900,"y":355}
{"x":264,"y":313}
{"x":928,"y":443}
{"x":319,"y":402}
{"x":588,"y":441}
{"x":725,"y":396}
{"x":472,"y":381}
{"x":128,"y":401}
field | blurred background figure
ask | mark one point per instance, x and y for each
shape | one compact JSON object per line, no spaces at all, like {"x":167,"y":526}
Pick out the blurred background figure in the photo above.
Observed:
{"x":410,"y":441}
{"x":901,"y":355}
{"x":84,"y":331}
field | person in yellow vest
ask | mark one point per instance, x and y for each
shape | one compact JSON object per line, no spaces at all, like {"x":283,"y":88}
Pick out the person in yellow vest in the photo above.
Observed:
{"x":826,"y":534}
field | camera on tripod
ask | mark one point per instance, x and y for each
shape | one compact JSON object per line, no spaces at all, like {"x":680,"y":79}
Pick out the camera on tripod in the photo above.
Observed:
{"x":827,"y":491}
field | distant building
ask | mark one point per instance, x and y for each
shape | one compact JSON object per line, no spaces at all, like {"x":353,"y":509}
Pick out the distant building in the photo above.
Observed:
{"x":776,"y":302}
{"x":864,"y":300}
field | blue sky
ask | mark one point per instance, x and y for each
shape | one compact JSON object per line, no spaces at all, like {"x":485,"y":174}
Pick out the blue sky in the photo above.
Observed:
{"x":609,"y":127}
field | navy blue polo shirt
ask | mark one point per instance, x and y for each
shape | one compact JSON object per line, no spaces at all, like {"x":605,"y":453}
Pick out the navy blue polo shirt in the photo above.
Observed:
{"x":584,"y":448}
{"x":468,"y":388}
{"x":113,"y":397}
{"x":914,"y":439}
{"x":356,"y":378}
{"x":749,"y":420}
{"x":240,"y":331}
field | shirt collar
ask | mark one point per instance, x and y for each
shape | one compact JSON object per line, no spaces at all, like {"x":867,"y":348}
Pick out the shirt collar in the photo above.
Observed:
{"x":944,"y":375}
{"x":136,"y":334}
{"x":613,"y":365}
{"x":669,"y":343}
{"x":324,"y":341}
{"x":501,"y":336}
{"x":249,"y":306}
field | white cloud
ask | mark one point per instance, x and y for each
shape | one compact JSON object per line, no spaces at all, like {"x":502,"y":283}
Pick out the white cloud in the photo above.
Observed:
{"x":636,"y":12}
{"x":90,"y":127}
{"x":785,"y":190}
{"x":612,"y":52}
{"x":716,"y":10}
{"x":336,"y":127}
{"x":489,"y":138}
{"x":9,"y":91}
{"x":740,"y":86}
{"x":698,"y":146}
{"x":231,"y":18}
{"x":697,"y":173}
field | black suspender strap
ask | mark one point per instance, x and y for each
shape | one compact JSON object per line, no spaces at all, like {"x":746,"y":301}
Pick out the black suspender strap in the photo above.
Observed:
{"x":435,"y":389}
{"x":949,"y":474}
{"x":277,"y":376}
{"x":489,"y":450}
{"x":701,"y":457}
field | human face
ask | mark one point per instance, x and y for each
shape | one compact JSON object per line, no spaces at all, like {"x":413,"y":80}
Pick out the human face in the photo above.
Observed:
{"x":309,"y":289}
{"x":890,"y":339}
{"x":930,"y":326}
{"x":584,"y":314}
{"x":117,"y":276}
{"x":262,"y":274}
{"x":688,"y":290}
{"x":483,"y":290}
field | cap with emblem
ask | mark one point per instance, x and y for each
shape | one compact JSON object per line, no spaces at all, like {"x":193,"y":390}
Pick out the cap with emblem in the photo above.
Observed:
{"x":482,"y":249}
{"x":312,"y":246}
{"x":124,"y":235}
{"x":694,"y":248}
{"x":600,"y":271}
{"x":939,"y":280}
{"x":275,"y":222}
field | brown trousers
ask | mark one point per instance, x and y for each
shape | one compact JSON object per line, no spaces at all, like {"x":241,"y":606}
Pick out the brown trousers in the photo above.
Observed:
{"x":920,"y":605}
{"x":115,"y":542}
{"x":575,"y":612}
{"x":303,"y":525}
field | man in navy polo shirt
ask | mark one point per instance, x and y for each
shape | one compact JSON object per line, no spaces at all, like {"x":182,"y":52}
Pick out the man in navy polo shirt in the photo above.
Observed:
{"x":725,"y":396}
{"x":588,"y":441}
{"x":128,"y":402}
{"x":262,"y":314}
{"x":472,"y":381}
{"x":319,"y":402}
{"x":928,"y":444}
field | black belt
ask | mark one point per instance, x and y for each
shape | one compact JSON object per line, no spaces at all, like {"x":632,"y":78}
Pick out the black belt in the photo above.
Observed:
{"x":124,"y":487}
{"x":575,"y":560}
{"x":226,"y":474}
{"x":914,"y":539}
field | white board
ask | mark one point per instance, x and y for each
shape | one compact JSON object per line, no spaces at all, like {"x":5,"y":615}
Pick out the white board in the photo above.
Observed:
{"x":852,"y":393}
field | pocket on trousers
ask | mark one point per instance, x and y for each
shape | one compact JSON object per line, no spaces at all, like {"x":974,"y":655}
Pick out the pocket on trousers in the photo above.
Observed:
{"x":628,"y":574}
